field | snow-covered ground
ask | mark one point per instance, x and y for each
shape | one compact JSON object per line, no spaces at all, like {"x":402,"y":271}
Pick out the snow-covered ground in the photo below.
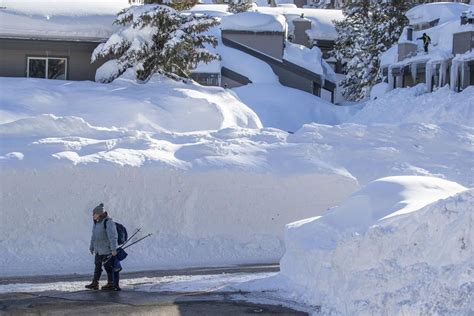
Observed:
{"x":180,"y":161}
{"x":216,"y":175}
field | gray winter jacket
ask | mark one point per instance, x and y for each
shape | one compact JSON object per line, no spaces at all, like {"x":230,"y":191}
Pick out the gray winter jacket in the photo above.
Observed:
{"x":103,"y":241}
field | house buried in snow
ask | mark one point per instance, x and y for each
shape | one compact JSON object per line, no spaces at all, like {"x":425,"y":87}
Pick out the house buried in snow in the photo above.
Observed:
{"x":57,"y":43}
{"x":264,"y":36}
{"x":450,"y":58}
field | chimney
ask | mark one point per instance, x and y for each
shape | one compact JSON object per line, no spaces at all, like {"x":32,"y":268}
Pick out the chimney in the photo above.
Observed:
{"x":464,"y":18}
{"x":409,"y":33}
{"x":301,"y":25}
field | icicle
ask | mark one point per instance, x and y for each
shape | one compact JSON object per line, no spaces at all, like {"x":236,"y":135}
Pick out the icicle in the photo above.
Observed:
{"x":390,"y":78}
{"x":463,"y":70}
{"x":428,"y":76}
{"x":454,"y":74}
{"x":442,"y":73}
{"x":413,"y":68}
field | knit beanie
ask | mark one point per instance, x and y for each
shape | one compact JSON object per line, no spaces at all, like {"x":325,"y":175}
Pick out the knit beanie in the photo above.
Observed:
{"x":99,"y":209}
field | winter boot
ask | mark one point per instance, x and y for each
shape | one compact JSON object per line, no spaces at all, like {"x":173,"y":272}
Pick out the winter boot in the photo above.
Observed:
{"x":108,"y":287}
{"x":93,"y":286}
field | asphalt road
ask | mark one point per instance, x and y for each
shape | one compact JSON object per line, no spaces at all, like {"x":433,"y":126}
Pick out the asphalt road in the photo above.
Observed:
{"x":129,"y":302}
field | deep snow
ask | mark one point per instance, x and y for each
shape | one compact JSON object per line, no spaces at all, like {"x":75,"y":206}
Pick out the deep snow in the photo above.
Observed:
{"x":212,"y":193}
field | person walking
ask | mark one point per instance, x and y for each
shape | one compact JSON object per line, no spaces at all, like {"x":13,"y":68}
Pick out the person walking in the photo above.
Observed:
{"x":104,"y":244}
{"x":426,"y":41}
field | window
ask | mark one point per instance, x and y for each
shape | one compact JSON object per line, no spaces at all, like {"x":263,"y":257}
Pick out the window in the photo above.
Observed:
{"x":47,"y":68}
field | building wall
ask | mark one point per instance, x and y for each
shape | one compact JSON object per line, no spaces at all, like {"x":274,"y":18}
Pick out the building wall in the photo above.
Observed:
{"x":269,"y":43}
{"x":14,"y":54}
{"x":227,"y":82}
{"x":406,"y":50}
{"x":300,"y":36}
{"x":207,"y":79}
{"x":463,"y":42}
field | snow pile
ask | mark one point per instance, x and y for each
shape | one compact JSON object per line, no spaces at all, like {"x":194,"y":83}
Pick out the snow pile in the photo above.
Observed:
{"x":413,"y":105}
{"x":161,"y":104}
{"x":84,"y":19}
{"x":386,"y":249}
{"x":254,"y":22}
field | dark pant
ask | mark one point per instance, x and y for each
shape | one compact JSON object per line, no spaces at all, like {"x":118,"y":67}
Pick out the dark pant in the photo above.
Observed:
{"x":426,"y":47}
{"x":99,"y":261}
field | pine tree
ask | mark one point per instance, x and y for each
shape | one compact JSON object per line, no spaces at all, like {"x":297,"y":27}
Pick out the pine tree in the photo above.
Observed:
{"x":327,"y":4}
{"x":238,"y":6}
{"x":156,"y":39}
{"x":370,"y":28}
{"x":179,"y":5}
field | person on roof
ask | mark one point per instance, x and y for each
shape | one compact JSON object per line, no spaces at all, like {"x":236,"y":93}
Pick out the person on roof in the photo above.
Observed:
{"x":426,"y":41}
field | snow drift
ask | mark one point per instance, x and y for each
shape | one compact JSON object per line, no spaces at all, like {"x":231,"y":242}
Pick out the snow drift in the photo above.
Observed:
{"x":160,"y":104}
{"x":401,"y":245}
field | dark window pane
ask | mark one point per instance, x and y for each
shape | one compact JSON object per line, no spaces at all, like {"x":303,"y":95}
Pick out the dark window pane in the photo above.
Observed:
{"x":37,"y":68}
{"x":57,"y":69}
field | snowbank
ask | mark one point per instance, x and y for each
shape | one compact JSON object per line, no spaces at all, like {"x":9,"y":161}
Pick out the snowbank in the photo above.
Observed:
{"x":77,"y":20}
{"x":413,"y":105}
{"x":160,"y":104}
{"x":386,"y":249}
{"x":254,"y":22}
{"x":207,"y":218}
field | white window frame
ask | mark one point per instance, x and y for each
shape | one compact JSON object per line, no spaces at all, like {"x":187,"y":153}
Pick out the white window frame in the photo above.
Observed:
{"x":46,"y":70}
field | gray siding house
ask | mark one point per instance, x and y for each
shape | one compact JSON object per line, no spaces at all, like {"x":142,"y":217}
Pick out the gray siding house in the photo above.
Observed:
{"x":60,"y":47}
{"x":52,"y":46}
{"x":49,"y":59}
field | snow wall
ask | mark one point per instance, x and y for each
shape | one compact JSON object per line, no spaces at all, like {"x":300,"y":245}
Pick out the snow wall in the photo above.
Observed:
{"x":197,"y":218}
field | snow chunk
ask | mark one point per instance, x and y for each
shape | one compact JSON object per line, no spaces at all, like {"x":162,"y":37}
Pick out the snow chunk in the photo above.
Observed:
{"x":13,"y":155}
{"x":254,"y":22}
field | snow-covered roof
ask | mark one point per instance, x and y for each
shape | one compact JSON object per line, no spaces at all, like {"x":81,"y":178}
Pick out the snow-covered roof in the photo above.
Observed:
{"x":59,"y":19}
{"x":322,"y":20}
{"x":310,"y":59}
{"x":211,"y":67}
{"x":441,"y":35}
{"x":444,"y":11}
{"x":254,"y":21}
